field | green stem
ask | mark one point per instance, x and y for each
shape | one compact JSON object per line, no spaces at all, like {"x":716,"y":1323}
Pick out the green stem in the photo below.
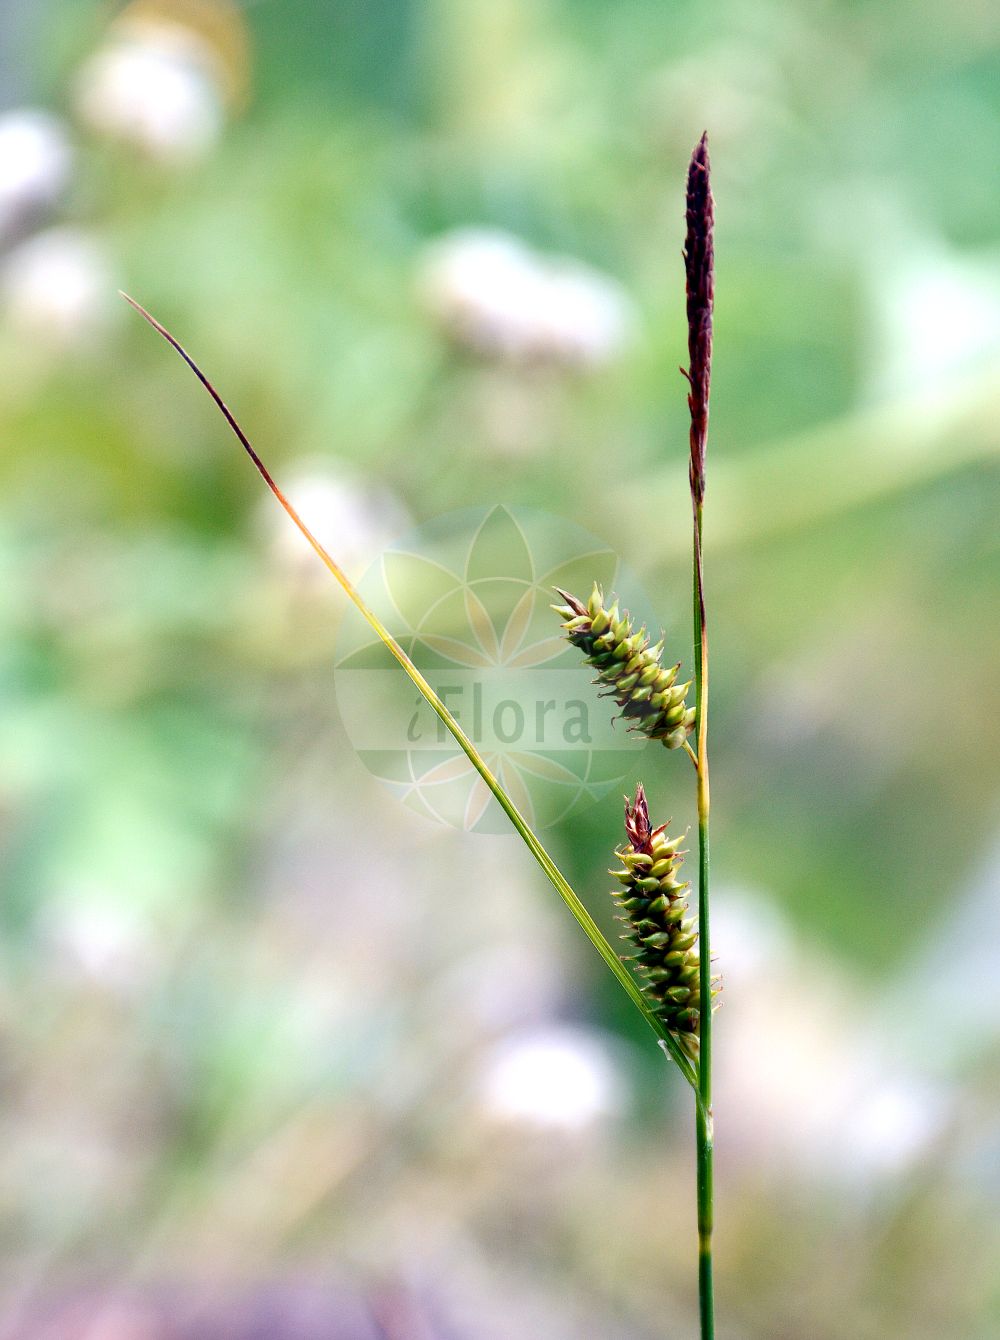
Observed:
{"x":704,"y":1127}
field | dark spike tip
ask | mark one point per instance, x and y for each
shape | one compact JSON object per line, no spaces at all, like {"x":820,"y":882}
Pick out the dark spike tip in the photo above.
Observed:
{"x":699,"y":265}
{"x":637,"y":819}
{"x":700,"y":206}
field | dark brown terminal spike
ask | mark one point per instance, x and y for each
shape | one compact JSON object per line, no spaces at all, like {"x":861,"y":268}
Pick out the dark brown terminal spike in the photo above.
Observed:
{"x":699,"y":264}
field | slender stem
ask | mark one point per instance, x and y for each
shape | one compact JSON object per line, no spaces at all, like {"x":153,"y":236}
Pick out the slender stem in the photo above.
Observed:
{"x":704,"y":1126}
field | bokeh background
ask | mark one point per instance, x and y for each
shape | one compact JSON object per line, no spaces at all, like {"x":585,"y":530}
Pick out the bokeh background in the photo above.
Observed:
{"x":279,"y":1058}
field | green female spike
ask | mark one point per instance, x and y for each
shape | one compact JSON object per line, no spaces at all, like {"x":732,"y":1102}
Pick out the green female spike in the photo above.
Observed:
{"x":654,"y":904}
{"x":646,"y":691}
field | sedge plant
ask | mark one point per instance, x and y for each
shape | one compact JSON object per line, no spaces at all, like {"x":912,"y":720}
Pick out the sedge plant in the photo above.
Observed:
{"x":669,"y":978}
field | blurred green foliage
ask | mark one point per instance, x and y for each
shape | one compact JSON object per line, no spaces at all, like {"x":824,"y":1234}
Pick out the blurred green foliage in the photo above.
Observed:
{"x":236,"y":1017}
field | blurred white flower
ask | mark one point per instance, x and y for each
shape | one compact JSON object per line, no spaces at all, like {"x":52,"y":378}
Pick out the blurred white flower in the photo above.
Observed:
{"x":585,"y":318}
{"x":100,"y":942}
{"x":35,"y":164}
{"x":935,"y":309}
{"x":58,"y":285}
{"x":808,"y":1079}
{"x":558,"y":1078}
{"x":969,"y":1000}
{"x":492,"y":293}
{"x":504,"y":985}
{"x":354,"y":520}
{"x":155,"y":85}
{"x":938,"y":312}
{"x":893,"y":1121}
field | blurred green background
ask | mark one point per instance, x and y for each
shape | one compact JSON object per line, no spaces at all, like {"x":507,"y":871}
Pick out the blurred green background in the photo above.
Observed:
{"x":279,"y":1058}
